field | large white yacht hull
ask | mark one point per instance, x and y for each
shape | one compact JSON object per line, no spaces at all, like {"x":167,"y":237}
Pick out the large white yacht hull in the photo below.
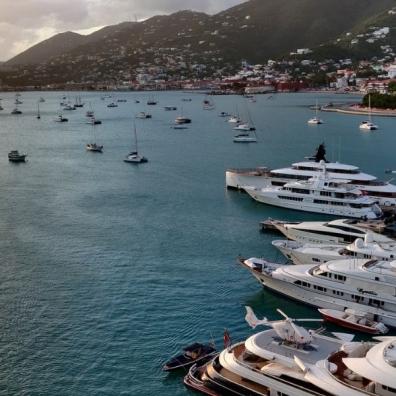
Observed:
{"x":318,"y":300}
{"x":239,"y":178}
{"x":308,"y":205}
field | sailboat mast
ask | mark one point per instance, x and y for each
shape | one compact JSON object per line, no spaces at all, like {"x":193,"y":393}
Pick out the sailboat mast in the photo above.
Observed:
{"x":136,"y":143}
{"x":369,"y":108}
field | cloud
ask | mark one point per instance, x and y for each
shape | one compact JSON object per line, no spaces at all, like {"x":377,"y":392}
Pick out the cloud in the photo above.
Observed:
{"x":24,"y":23}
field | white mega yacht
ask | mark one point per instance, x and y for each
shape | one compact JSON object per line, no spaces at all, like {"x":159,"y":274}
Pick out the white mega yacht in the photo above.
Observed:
{"x":319,"y":194}
{"x":340,"y":231}
{"x":366,"y":286}
{"x":263,"y":177}
{"x":309,"y":253}
{"x":289,"y":360}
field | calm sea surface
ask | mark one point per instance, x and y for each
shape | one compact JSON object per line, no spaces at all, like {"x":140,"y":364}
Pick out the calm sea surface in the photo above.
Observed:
{"x":107,"y":268}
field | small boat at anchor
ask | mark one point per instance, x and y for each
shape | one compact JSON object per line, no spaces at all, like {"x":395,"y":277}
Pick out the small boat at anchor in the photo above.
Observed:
{"x":192,"y":354}
{"x":134,"y":157}
{"x":15,"y":156}
{"x":354,"y":320}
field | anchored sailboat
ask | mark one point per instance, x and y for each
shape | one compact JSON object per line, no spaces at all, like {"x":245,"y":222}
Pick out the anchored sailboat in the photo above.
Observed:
{"x":368,"y":125}
{"x":134,"y":156}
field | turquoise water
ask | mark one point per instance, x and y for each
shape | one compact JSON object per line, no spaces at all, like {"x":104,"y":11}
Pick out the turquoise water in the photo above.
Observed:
{"x":108,"y":268}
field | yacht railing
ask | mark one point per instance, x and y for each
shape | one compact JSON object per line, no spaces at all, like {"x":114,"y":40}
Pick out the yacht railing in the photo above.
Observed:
{"x":275,"y":378}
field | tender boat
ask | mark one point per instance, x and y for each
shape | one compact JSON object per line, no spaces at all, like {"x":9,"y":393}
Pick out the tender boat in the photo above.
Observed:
{"x":15,"y":156}
{"x":142,"y":115}
{"x":234,"y":120}
{"x":93,"y":121}
{"x":192,"y":354}
{"x":112,"y":104}
{"x":16,"y":111}
{"x":244,"y":127}
{"x":195,"y":380}
{"x":170,"y":108}
{"x":151,"y":102}
{"x":368,"y":126}
{"x":69,"y":107}
{"x":60,"y":118}
{"x":182,"y":120}
{"x":244,"y":138}
{"x":315,"y":121}
{"x":94,"y":147}
{"x":224,"y":114}
{"x":351,"y":319}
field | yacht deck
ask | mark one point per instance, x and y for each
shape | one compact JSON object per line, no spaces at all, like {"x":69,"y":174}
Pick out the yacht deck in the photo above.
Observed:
{"x":268,"y":342}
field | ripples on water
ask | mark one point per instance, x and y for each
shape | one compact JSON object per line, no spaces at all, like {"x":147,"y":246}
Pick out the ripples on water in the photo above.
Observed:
{"x":108,"y":268}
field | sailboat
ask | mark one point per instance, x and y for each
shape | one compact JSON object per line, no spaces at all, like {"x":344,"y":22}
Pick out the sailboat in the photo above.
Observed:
{"x":38,"y":110}
{"x":247,"y":132}
{"x":368,"y":125}
{"x":16,"y":111}
{"x":134,"y":157}
{"x":315,"y":120}
{"x":152,"y":101}
{"x":93,"y":146}
{"x":78,"y":102}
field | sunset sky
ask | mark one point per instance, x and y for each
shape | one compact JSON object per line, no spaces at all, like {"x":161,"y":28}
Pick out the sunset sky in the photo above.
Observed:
{"x":24,"y":23}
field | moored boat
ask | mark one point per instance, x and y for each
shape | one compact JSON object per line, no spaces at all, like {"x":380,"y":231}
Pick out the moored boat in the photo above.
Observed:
{"x":15,"y":156}
{"x":354,"y":320}
{"x":192,"y":354}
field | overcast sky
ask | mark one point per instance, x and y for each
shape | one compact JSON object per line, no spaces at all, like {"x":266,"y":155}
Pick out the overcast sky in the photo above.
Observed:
{"x":27,"y":22}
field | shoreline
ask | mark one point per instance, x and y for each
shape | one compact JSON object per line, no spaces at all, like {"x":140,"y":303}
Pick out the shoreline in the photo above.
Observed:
{"x":353,"y":110}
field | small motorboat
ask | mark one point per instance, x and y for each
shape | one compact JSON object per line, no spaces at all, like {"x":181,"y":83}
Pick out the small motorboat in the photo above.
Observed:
{"x":368,"y":126}
{"x":234,"y":120}
{"x":135,"y":158}
{"x":192,"y":354}
{"x":112,"y":104}
{"x":351,"y":319}
{"x":244,"y":127}
{"x":182,"y":120}
{"x":315,"y":121}
{"x":142,"y":115}
{"x":41,"y":100}
{"x":137,"y":101}
{"x":69,"y":107}
{"x":15,"y":156}
{"x":94,"y":147}
{"x":170,"y":108}
{"x":93,"y":121}
{"x":224,"y":114}
{"x":60,"y":118}
{"x":244,"y":138}
{"x":121,"y":100}
{"x":16,"y":111}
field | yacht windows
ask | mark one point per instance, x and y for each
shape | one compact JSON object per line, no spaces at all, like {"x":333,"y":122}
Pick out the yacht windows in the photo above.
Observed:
{"x":347,"y":229}
{"x":346,"y":238}
{"x":335,"y":203}
{"x":316,"y":260}
{"x":320,"y":288}
{"x":301,"y":283}
{"x":325,"y":193}
{"x":290,"y":198}
{"x":338,"y":293}
{"x":387,"y":388}
{"x":320,"y":201}
{"x":341,"y":278}
{"x":299,"y":190}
